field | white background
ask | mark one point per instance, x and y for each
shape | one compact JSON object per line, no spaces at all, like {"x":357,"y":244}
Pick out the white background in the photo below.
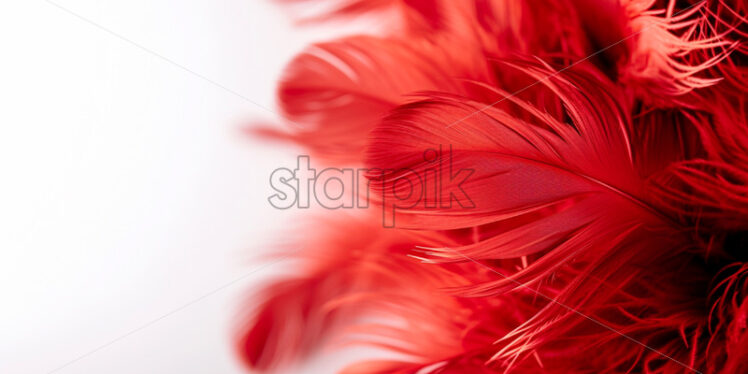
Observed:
{"x":130,"y":199}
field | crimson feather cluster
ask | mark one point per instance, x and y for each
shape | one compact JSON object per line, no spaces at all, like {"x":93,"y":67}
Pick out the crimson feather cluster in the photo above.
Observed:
{"x":609,"y":148}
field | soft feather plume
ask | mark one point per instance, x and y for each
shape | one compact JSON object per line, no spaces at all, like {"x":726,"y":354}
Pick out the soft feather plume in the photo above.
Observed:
{"x":604,"y":227}
{"x":671,"y":47}
{"x":334,"y":93}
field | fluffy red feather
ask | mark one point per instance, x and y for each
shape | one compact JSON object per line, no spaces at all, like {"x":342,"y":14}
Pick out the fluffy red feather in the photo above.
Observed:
{"x":604,"y":227}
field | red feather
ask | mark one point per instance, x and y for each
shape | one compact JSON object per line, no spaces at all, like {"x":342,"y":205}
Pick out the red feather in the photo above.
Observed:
{"x":336,"y":92}
{"x":603,"y":225}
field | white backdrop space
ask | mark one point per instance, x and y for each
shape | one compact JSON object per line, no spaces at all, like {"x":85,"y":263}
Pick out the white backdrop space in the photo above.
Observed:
{"x":133,"y":210}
